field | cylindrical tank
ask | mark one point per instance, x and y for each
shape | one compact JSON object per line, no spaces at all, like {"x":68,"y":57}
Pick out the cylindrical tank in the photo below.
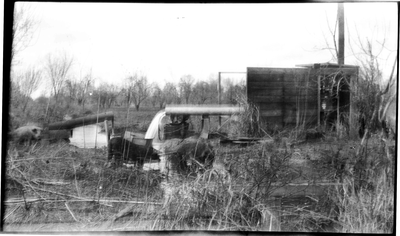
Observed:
{"x":216,"y":110}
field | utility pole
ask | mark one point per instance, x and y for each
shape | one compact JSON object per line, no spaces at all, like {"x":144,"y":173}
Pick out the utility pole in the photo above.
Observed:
{"x":340,"y":18}
{"x":219,"y":97}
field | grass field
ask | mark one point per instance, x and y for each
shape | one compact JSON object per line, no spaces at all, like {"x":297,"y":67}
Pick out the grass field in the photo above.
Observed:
{"x":58,"y":187}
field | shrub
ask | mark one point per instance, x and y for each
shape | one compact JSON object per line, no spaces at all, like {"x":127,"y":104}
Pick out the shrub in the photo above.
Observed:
{"x":365,"y":201}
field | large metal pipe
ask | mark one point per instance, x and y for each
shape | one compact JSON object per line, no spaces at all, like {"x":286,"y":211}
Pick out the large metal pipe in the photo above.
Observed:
{"x":87,"y":120}
{"x":215,"y":110}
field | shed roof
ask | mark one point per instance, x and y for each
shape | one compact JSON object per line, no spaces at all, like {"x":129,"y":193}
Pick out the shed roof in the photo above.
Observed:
{"x":326,"y":65}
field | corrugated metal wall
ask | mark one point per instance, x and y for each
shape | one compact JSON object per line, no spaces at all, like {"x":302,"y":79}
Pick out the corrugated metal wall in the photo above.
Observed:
{"x":285,"y":96}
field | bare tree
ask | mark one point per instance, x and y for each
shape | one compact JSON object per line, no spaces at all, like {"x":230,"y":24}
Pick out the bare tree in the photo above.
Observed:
{"x":233,"y":92}
{"x":127,"y":91}
{"x":77,"y":90}
{"x":57,"y":68}
{"x":15,"y":94}
{"x":24,"y":26}
{"x":229,"y":91}
{"x":101,"y":94}
{"x":186,"y":87}
{"x":201,"y":92}
{"x":139,"y":89}
{"x":370,"y":95}
{"x":373,"y":93}
{"x":171,"y":93}
{"x":372,"y":98}
{"x":157,"y":96}
{"x":27,"y":83}
{"x":71,"y":87}
{"x":112,"y":94}
{"x":106,"y":94}
{"x":213,"y":82}
{"x":83,"y":88}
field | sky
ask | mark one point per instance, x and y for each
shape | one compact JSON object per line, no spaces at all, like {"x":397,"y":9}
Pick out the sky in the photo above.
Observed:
{"x":166,"y":41}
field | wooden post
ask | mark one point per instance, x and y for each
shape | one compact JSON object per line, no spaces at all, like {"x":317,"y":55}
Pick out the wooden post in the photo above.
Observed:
{"x":319,"y":102}
{"x":97,"y":125}
{"x":352,"y":115}
{"x":219,"y":97}
{"x":106,"y":128}
{"x":112,"y":127}
{"x":338,"y":105}
{"x":205,"y":126}
{"x":283,"y":106}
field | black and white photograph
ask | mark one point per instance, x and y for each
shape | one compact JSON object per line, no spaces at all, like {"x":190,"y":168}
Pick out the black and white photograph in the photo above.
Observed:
{"x":200,"y":117}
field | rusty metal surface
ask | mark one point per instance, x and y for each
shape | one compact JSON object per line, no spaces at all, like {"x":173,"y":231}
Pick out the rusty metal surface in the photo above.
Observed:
{"x":281,"y":93}
{"x":285,"y":95}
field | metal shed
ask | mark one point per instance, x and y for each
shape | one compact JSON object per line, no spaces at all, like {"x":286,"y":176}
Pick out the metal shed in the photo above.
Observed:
{"x":309,"y":95}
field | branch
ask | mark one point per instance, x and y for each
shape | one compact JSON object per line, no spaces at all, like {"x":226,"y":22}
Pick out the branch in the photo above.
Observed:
{"x":104,"y":201}
{"x":389,"y":84}
{"x":72,"y":214}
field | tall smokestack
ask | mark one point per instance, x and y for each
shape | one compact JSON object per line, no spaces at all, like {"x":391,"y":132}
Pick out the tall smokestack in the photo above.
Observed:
{"x":341,"y":33}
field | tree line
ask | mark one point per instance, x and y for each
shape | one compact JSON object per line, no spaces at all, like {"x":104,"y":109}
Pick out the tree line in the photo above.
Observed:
{"x":67,"y":90}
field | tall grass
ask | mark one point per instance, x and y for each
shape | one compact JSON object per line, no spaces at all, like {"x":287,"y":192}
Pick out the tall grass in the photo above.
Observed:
{"x":56,"y":184}
{"x":366,"y":210}
{"x":69,"y":185}
{"x":250,"y":123}
{"x":365,"y":201}
{"x":233,"y":195}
